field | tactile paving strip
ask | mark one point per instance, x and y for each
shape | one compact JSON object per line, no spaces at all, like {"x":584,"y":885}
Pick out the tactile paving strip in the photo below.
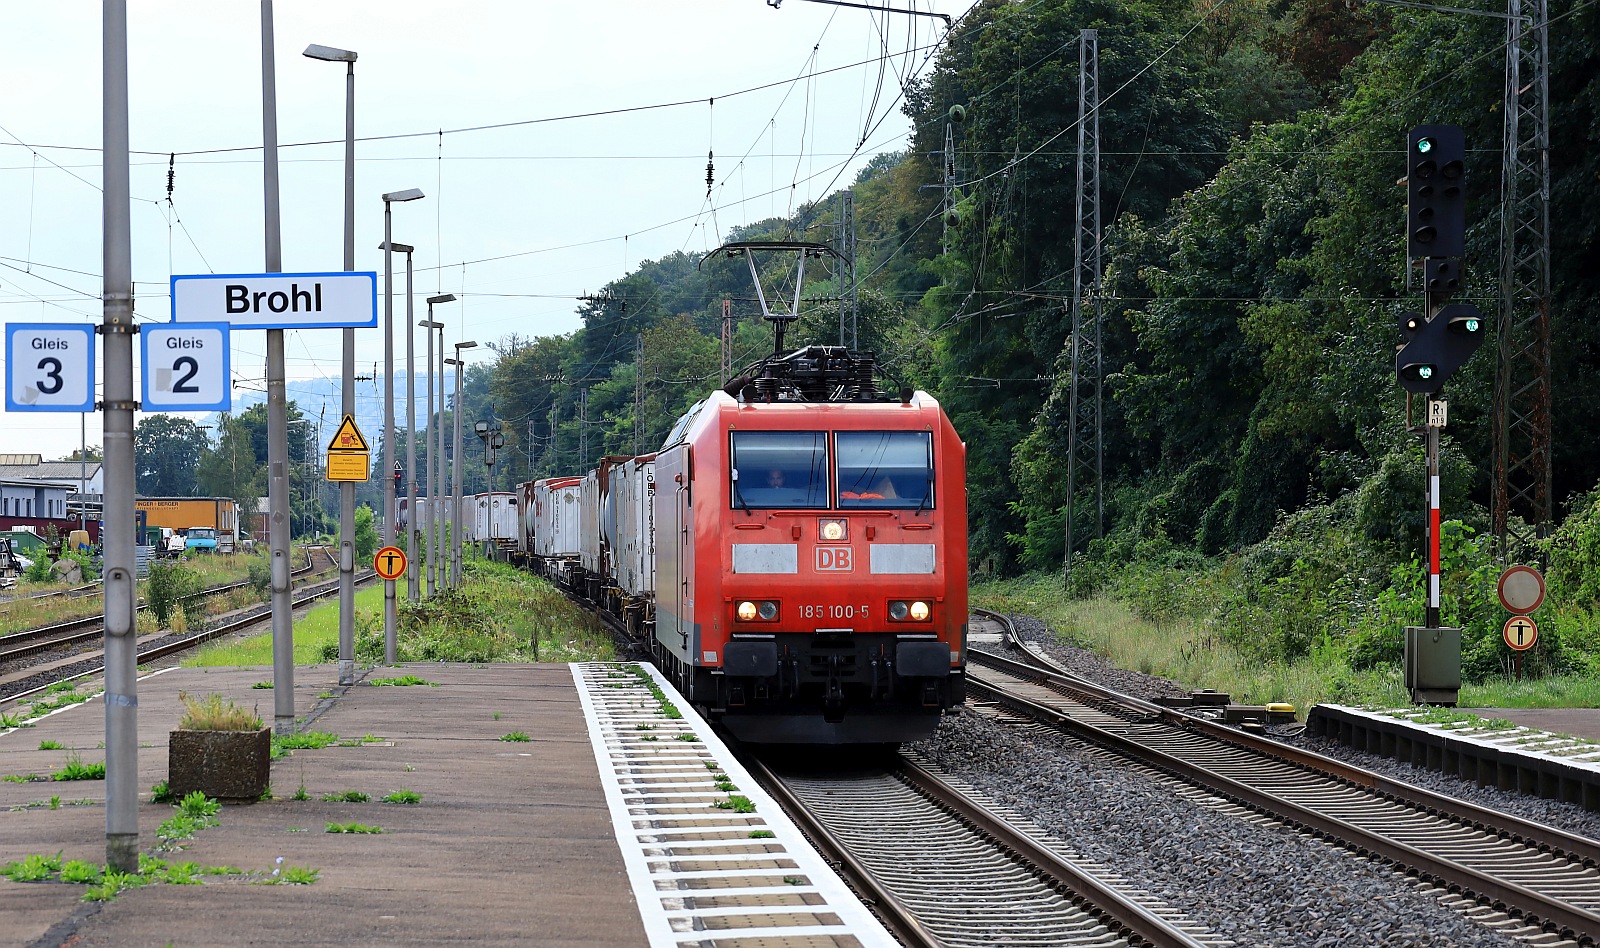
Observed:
{"x":713,"y":861}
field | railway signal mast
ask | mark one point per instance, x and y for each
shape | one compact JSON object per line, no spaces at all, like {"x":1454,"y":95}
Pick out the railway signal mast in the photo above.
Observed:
{"x":1439,"y":341}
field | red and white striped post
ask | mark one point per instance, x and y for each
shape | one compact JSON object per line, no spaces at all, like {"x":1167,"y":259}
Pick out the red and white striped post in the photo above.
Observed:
{"x":1432,"y":441}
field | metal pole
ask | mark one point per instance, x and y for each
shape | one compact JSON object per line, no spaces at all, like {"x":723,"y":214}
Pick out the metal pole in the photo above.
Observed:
{"x":439,"y":521}
{"x":122,"y":698}
{"x":386,"y":473}
{"x":455,"y":505}
{"x":347,"y":401}
{"x":277,"y":407}
{"x":433,"y":493}
{"x":413,"y":571}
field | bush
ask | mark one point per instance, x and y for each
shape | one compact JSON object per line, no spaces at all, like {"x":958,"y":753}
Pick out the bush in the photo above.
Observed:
{"x":260,"y":570}
{"x":168,"y":583}
{"x":39,"y":570}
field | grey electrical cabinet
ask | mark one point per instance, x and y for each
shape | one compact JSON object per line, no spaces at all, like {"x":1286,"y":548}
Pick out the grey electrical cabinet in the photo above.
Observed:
{"x":1433,"y":665}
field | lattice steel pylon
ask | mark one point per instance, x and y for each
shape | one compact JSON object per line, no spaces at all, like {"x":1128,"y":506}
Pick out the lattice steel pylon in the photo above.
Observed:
{"x":1084,"y":453}
{"x":1522,"y":433}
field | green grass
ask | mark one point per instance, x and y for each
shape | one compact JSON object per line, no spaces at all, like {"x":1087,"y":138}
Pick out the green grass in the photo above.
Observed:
{"x":352,"y":828}
{"x":346,"y":796}
{"x":737,"y":802}
{"x":516,"y":737}
{"x":312,"y":632}
{"x":51,"y":746}
{"x":75,"y":769}
{"x":403,"y":796}
{"x":401,"y":682}
{"x":1187,"y":653}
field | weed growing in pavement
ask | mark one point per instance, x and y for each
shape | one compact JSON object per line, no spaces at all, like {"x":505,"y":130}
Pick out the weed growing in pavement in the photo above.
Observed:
{"x":51,"y":746}
{"x":794,"y":880}
{"x":325,"y":696}
{"x":21,"y":778}
{"x":294,"y":875}
{"x":402,"y":682}
{"x":649,"y":737}
{"x":161,"y":793}
{"x":262,"y":685}
{"x":111,"y":884}
{"x":738,"y":803}
{"x":687,"y":737}
{"x":352,"y":828}
{"x":724,"y":784}
{"x":55,"y":802}
{"x":301,"y":794}
{"x":713,"y":765}
{"x":9,"y":721}
{"x":363,"y":739}
{"x":1437,"y":715}
{"x":762,"y":834}
{"x":516,"y":737}
{"x":195,"y":812}
{"x":76,"y":769}
{"x":644,"y":727}
{"x":346,"y":796}
{"x":80,"y":872}
{"x":409,"y":768}
{"x":309,"y":740}
{"x":33,"y":868}
{"x":668,"y":709}
{"x":403,"y":796}
{"x":497,"y":715}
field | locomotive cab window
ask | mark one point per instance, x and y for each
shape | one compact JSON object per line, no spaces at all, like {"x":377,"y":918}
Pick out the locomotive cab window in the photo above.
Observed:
{"x":885,"y":469}
{"x":779,"y":469}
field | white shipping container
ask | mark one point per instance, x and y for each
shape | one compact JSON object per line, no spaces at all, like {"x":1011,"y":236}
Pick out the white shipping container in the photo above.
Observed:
{"x":556,"y":521}
{"x":494,"y":517}
{"x":634,"y":487}
{"x":591,"y":544}
{"x":525,"y":518}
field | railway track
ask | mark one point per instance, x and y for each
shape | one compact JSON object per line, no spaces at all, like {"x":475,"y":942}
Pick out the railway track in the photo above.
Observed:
{"x":943,"y":870}
{"x":1548,"y":878}
{"x":306,"y":595}
{"x":89,"y":628}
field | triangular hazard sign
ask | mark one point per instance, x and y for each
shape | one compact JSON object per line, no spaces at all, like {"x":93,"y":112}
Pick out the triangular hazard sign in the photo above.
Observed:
{"x":348,"y":437}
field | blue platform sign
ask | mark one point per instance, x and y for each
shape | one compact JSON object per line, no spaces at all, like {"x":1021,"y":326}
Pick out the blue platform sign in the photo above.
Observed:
{"x":50,"y":367}
{"x":277,"y":300}
{"x":186,"y":367}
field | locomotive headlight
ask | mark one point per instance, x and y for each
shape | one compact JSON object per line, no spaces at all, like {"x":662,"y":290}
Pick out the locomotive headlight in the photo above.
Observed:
{"x":833,"y":531}
{"x":763,"y":610}
{"x":909,"y":610}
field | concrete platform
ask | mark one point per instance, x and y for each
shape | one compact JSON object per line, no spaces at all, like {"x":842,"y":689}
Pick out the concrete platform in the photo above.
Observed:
{"x":512,"y":843}
{"x":1547,"y":752}
{"x":615,"y":824}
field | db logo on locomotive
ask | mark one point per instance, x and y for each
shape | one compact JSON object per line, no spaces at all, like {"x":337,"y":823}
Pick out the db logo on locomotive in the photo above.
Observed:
{"x":835,"y":559}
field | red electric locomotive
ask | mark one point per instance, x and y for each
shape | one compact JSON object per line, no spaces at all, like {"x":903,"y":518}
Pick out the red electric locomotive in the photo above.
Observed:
{"x":811,"y":555}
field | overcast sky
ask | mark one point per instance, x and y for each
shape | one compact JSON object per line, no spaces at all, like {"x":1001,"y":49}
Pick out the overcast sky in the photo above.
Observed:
{"x":567,"y":204}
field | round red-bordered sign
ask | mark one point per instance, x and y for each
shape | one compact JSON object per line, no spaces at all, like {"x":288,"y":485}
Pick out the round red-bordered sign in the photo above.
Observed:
{"x":1521,"y":589}
{"x":1520,"y":633}
{"x":390,"y":562}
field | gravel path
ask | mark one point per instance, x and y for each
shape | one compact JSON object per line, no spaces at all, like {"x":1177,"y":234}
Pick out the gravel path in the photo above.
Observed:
{"x":1258,"y":885}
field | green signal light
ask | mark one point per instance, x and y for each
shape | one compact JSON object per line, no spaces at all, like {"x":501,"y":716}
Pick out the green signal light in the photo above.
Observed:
{"x":1472,"y":325}
{"x":1424,"y":145}
{"x":1424,"y":371}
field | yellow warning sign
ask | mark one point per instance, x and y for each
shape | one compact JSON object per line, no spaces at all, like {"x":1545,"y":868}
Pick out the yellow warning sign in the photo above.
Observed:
{"x":347,"y":466}
{"x":348,"y":438}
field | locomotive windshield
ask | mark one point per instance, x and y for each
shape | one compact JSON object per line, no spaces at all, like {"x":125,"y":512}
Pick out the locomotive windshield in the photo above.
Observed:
{"x":779,"y":469}
{"x":885,"y":469}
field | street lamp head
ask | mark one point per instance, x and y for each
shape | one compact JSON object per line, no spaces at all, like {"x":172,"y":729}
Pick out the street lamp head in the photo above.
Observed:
{"x":442,"y":298}
{"x":452,"y":362}
{"x":464,"y":345}
{"x":429,"y":324}
{"x":329,"y":54}
{"x":409,"y":194}
{"x":396,"y":247}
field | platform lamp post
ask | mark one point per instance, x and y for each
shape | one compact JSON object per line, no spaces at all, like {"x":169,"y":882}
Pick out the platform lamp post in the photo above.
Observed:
{"x":347,"y":382}
{"x":413,"y":571}
{"x":438,"y":513}
{"x":455,"y":506}
{"x":389,"y":616}
{"x":432,"y":488}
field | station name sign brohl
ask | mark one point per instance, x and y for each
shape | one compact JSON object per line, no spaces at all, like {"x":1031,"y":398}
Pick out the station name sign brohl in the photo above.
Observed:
{"x":277,"y":300}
